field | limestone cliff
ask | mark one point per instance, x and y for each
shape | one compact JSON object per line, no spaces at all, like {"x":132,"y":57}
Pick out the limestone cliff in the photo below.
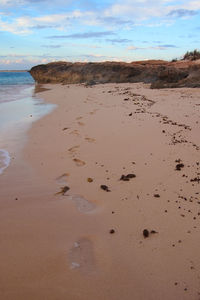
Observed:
{"x":160,"y":74}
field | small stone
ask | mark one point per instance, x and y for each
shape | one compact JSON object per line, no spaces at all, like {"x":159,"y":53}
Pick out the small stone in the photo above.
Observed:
{"x":145,"y":233}
{"x":127,"y":177}
{"x":179,"y":167}
{"x":105,"y":188}
{"x":90,"y":179}
{"x":63,"y":190}
{"x":156,"y":195}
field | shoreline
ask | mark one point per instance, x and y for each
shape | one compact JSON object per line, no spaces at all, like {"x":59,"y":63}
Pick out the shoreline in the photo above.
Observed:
{"x":103,"y":132}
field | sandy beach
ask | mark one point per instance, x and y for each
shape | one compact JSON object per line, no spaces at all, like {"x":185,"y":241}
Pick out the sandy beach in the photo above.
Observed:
{"x":86,"y":241}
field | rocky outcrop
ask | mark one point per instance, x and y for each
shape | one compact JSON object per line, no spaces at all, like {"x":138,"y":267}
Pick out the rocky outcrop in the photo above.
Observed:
{"x":160,"y":74}
{"x":178,"y":77}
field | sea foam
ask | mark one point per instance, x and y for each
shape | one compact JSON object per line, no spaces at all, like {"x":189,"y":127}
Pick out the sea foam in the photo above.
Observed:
{"x":4,"y":160}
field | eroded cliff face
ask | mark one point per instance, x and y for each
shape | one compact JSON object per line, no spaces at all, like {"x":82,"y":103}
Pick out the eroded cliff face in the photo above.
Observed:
{"x":160,"y":74}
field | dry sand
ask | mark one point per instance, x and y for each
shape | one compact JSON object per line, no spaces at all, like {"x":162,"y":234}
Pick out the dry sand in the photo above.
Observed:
{"x":58,"y":246}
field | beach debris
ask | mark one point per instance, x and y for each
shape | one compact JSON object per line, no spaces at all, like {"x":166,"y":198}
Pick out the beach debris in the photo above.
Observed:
{"x":73,"y":149}
{"x":179,"y":167}
{"x":126,"y":99}
{"x":156,"y":195}
{"x":196,"y":179}
{"x":105,"y":188}
{"x":127,"y":177}
{"x":130,"y":114}
{"x":79,"y":162}
{"x":146,"y":233}
{"x":178,"y":160}
{"x":63,"y":190}
{"x":90,"y":179}
{"x":112,"y":231}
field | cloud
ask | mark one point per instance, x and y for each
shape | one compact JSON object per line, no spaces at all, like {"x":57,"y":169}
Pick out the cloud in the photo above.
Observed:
{"x":43,"y":26}
{"x":27,"y":24}
{"x":106,"y":16}
{"x":32,"y":2}
{"x":97,"y":19}
{"x":118,"y":41}
{"x":52,"y":46}
{"x":168,"y":46}
{"x":25,"y":61}
{"x":100,"y":58}
{"x":135,"y":48}
{"x":159,"y":47}
{"x":84,"y":35}
{"x":181,"y":13}
{"x":141,"y":10}
{"x":19,"y":26}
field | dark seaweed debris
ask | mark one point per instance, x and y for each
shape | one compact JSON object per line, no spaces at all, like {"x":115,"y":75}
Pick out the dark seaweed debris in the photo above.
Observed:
{"x":105,"y":188}
{"x":127,"y":177}
{"x":146,"y":233}
{"x":179,"y":167}
{"x":156,"y":195}
{"x":63,"y":190}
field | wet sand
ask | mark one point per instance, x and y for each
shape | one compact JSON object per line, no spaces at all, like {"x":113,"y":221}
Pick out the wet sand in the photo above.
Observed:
{"x":85,"y":241}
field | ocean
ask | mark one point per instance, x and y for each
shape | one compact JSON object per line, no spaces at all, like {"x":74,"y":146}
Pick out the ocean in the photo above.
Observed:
{"x":19,"y":108}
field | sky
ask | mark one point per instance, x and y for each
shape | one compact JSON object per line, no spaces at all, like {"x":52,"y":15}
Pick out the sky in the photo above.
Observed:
{"x":35,"y":32}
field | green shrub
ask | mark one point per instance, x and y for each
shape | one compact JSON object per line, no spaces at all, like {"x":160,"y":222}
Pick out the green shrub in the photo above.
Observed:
{"x":192,"y":55}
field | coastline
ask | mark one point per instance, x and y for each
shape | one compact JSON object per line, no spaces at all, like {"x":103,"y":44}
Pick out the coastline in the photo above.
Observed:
{"x":63,"y":245}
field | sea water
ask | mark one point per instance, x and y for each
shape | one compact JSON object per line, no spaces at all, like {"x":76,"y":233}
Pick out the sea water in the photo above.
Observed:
{"x":19,"y":108}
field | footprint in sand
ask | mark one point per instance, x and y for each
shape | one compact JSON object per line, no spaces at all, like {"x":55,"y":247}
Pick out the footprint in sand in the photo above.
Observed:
{"x":73,"y":149}
{"x":82,"y":204}
{"x":93,"y":112}
{"x":62,"y":179}
{"x":79,"y":162}
{"x":90,"y":140}
{"x":81,"y":256}
{"x":75,"y":132}
{"x":81,"y":123}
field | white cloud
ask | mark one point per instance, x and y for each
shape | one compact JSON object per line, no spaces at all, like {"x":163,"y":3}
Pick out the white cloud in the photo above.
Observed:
{"x":122,"y":14}
{"x":159,"y":47}
{"x":146,"y":9}
{"x":18,"y":26}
